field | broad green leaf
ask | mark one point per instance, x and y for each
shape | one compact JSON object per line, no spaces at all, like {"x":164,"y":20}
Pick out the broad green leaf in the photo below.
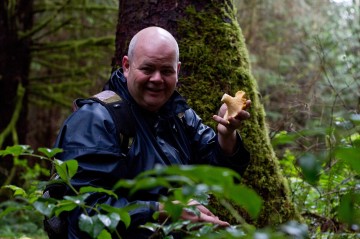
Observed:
{"x":205,"y":229}
{"x":247,"y":198}
{"x":123,"y":214}
{"x":149,"y":183}
{"x":92,"y":225}
{"x":86,"y":224}
{"x":16,"y":150}
{"x":115,"y":219}
{"x":191,"y":174}
{"x":189,"y":190}
{"x":67,"y":169}
{"x":69,"y":203}
{"x":283,"y":138}
{"x":205,"y":173}
{"x":64,"y":206}
{"x":50,"y":152}
{"x":350,"y":156}
{"x":174,"y":210}
{"x":177,"y":225}
{"x":122,"y":183}
{"x":79,"y":199}
{"x":17,"y":190}
{"x":150,"y":226}
{"x":44,"y":208}
{"x":349,"y":208}
{"x":104,"y":219}
{"x":311,"y":168}
{"x":90,"y":189}
{"x":104,"y":234}
{"x":179,"y":179}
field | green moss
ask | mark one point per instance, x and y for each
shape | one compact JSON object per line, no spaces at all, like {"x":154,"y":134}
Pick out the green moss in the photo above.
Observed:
{"x":215,"y":61}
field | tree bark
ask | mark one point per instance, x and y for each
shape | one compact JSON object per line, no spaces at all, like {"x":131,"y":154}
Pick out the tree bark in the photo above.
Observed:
{"x":215,"y":61}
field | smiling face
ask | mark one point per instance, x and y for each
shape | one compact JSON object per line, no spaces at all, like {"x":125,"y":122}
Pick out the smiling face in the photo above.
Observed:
{"x":151,"y":69}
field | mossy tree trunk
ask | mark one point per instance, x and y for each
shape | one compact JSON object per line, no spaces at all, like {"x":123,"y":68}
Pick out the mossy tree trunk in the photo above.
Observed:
{"x":215,"y":61}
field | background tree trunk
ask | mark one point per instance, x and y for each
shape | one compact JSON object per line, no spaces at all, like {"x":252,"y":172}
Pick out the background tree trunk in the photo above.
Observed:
{"x":215,"y":61}
{"x":15,"y":17}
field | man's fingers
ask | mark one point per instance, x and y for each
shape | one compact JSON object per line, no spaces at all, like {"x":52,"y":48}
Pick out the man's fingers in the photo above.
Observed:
{"x":220,"y":120}
{"x":206,"y":211}
{"x":213,"y":219}
{"x":203,"y":215}
{"x":242,"y":115}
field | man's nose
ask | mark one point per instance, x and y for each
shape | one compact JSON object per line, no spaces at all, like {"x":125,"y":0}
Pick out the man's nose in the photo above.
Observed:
{"x":156,"y":77}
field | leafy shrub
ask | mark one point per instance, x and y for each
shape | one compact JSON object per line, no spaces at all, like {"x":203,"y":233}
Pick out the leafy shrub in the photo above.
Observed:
{"x":184,"y":183}
{"x":325,"y":182}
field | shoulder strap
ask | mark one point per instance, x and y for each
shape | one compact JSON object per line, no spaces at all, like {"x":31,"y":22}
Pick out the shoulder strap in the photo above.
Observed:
{"x":122,"y":117}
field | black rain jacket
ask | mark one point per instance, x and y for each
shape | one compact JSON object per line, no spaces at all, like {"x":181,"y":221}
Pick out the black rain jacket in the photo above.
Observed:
{"x":174,"y":135}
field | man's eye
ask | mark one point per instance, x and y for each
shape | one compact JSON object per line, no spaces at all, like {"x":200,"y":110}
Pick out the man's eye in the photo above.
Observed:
{"x":146,"y":70}
{"x":167,"y":72}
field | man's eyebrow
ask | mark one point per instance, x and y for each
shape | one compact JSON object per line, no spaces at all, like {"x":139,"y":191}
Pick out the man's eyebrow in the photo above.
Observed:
{"x":146,"y":64}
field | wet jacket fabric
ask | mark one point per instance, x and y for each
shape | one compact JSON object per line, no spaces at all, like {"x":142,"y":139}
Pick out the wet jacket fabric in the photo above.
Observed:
{"x":173,"y":135}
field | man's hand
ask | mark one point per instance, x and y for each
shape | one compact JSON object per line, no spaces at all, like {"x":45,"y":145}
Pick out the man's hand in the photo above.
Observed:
{"x":204,"y":214}
{"x":227,"y":127}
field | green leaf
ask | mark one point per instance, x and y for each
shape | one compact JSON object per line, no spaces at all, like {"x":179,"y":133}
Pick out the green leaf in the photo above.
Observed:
{"x":124,"y":184}
{"x":16,"y":150}
{"x":115,"y":219}
{"x":64,"y":206}
{"x":349,"y":208}
{"x":17,"y":190}
{"x":92,"y":225}
{"x":89,"y":189}
{"x":104,"y":234}
{"x":69,"y":203}
{"x":122,"y":215}
{"x":86,"y":224}
{"x":66,"y":170}
{"x":79,"y":199}
{"x":247,"y":198}
{"x":351,"y":156}
{"x":175,"y":210}
{"x":190,"y":174}
{"x":311,"y":168}
{"x":50,"y":153}
{"x":105,"y":220}
{"x":149,"y":183}
{"x":283,"y":138}
{"x":44,"y":208}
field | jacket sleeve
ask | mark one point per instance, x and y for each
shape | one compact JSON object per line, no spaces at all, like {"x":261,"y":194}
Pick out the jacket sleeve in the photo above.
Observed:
{"x":89,"y":136}
{"x":207,"y":149}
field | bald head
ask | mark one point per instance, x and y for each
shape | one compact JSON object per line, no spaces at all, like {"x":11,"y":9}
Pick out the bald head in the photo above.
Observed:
{"x":152,"y":35}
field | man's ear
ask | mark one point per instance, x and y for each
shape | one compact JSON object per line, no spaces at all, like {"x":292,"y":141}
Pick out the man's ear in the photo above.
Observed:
{"x":178,"y":70}
{"x":125,"y":65}
{"x":178,"y":67}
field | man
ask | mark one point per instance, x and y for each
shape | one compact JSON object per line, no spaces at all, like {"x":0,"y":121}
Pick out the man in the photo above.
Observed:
{"x":167,"y":132}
